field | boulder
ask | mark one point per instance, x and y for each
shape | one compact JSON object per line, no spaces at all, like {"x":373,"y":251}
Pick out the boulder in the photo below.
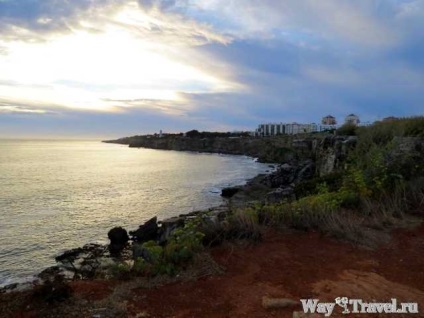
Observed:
{"x":229,"y":192}
{"x":283,"y":176}
{"x":168,"y":226}
{"x":146,"y":232}
{"x":69,"y":255}
{"x":118,"y":239}
{"x":281,"y":194}
{"x":118,"y":236}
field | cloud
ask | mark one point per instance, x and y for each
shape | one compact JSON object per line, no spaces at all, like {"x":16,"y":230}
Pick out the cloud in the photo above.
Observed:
{"x":19,"y":110}
{"x":38,"y":21}
{"x":103,"y":51}
{"x":170,"y":107}
{"x":341,"y":20}
{"x":8,"y":106}
{"x":140,"y":66}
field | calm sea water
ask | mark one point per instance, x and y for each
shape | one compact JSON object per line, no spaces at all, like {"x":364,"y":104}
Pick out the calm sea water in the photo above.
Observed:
{"x":57,"y":195}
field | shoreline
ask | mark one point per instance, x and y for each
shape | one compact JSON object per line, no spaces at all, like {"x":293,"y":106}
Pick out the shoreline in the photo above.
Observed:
{"x":241,"y":197}
{"x":24,"y":283}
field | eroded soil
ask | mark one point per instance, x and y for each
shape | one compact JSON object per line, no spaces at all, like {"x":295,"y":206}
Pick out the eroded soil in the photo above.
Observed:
{"x":284,"y":265}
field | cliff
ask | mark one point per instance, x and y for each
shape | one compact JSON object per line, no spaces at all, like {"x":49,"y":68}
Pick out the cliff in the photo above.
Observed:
{"x":327,"y":151}
{"x":278,"y":149}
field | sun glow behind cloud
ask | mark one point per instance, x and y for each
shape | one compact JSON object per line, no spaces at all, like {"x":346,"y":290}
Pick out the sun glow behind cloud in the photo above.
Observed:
{"x":145,"y":65}
{"x":107,"y":60}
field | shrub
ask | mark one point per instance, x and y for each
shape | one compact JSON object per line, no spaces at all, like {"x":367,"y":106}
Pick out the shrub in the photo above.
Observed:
{"x":243,"y":224}
{"x":333,"y":182}
{"x":180,"y":249}
{"x":347,"y":130}
{"x":121,"y":270}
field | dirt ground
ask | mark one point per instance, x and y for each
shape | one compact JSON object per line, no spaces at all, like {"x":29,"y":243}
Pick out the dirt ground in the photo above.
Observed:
{"x":284,"y":265}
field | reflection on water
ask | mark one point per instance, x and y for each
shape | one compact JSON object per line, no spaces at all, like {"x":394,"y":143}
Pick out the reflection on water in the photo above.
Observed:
{"x":56,"y":195}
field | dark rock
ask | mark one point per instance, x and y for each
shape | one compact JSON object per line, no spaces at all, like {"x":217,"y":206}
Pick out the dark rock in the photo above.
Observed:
{"x":306,"y":171}
{"x":281,"y":194}
{"x":118,"y":239}
{"x":50,"y":272}
{"x":283,"y":176}
{"x":69,"y":255}
{"x":146,"y":232}
{"x":9,"y":288}
{"x":118,"y":236}
{"x":168,"y":226}
{"x":229,"y":192}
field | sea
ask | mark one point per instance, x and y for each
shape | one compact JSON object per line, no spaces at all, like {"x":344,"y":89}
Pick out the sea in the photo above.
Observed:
{"x":57,"y":195}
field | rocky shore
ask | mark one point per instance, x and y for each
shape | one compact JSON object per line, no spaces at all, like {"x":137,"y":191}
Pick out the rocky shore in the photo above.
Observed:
{"x":95,"y":260}
{"x":287,"y":266}
{"x":309,"y":158}
{"x":302,"y":159}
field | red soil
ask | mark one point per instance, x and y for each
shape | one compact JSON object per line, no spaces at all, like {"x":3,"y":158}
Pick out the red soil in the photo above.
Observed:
{"x":295,"y":266}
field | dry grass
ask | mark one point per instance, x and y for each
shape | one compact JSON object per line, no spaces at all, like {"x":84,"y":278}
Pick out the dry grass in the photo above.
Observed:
{"x":367,"y":225}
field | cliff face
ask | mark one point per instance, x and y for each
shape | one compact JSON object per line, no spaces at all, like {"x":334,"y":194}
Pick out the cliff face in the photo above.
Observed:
{"x":327,"y":151}
{"x":265,"y":149}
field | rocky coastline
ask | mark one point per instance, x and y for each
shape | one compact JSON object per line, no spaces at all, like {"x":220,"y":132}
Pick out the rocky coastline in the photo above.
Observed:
{"x":309,"y":158}
{"x":95,"y":260}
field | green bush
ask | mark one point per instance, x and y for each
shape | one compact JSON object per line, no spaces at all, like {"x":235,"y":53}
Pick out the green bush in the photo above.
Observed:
{"x":121,"y":270}
{"x":347,"y":130}
{"x":180,"y":249}
{"x":243,"y":224}
{"x":310,"y":187}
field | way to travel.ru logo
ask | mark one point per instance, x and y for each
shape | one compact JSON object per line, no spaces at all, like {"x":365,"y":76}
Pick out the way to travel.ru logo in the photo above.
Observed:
{"x":357,"y":306}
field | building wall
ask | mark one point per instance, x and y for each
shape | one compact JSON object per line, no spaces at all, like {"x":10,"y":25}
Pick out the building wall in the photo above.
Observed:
{"x":352,"y":120}
{"x":273,"y":129}
{"x":329,"y":120}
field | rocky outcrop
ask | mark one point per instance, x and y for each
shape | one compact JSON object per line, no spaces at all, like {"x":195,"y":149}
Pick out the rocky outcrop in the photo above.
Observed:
{"x":270,"y":149}
{"x":277,"y":186}
{"x":281,"y":194}
{"x":118,"y":239}
{"x":146,"y":232}
{"x":168,"y":226}
{"x":229,"y":192}
{"x":84,"y":262}
{"x":331,"y":152}
{"x":327,"y":152}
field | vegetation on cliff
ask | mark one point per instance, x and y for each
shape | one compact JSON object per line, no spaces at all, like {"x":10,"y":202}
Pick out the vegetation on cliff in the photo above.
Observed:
{"x":380,"y":182}
{"x":375,"y":178}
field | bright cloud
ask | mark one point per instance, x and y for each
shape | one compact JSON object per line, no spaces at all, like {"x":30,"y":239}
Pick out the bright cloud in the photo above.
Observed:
{"x":107,"y":58}
{"x":132,"y":66}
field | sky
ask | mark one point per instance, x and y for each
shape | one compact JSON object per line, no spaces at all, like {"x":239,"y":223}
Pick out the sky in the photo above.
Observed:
{"x":114,"y":68}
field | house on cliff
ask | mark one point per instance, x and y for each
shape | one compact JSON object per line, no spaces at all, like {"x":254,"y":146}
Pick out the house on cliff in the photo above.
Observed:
{"x":329,"y":121}
{"x":352,"y":119}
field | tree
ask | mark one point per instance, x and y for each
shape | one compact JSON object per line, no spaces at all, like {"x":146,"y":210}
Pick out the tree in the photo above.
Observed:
{"x":192,"y":133}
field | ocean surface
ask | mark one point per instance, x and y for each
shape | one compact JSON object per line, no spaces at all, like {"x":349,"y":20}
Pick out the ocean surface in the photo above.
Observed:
{"x":57,"y":195}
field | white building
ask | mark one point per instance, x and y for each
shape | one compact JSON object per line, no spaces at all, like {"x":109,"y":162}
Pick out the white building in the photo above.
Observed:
{"x":352,"y":119}
{"x":329,"y":120}
{"x":274,"y":129}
